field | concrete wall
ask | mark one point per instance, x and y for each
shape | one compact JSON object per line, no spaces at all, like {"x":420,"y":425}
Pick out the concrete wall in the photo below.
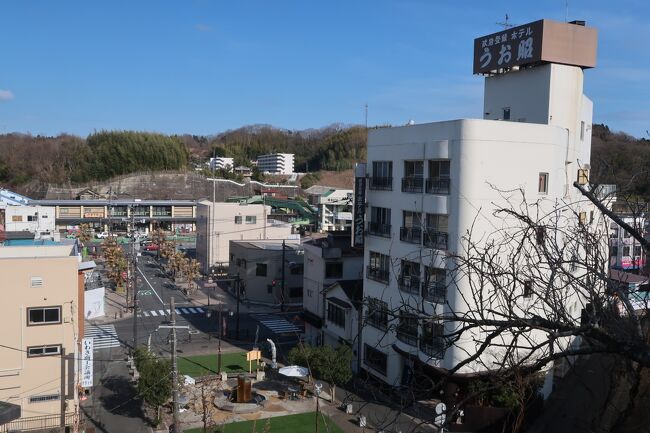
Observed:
{"x":17,"y":218}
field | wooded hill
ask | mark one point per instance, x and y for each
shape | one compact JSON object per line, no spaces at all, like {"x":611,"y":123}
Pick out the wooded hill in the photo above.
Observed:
{"x":616,"y":157}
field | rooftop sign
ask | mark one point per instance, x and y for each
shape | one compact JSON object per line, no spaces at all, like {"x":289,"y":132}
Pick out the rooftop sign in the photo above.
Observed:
{"x":540,"y":41}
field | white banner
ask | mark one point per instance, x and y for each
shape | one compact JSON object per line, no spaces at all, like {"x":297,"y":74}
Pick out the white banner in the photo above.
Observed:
{"x":87,"y":362}
{"x":94,"y":303}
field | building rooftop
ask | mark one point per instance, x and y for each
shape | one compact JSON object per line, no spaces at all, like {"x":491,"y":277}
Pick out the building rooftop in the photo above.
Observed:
{"x":270,"y":245}
{"x":38,"y":249}
{"x":120,"y":202}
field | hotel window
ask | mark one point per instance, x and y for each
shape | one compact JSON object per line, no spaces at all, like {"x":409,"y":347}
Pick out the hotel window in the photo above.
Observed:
{"x":379,"y":267}
{"x":582,"y":130}
{"x":379,"y":221}
{"x":413,"y":180}
{"x":626,"y":251}
{"x":382,"y":175}
{"x":439,"y":174}
{"x":637,"y":250}
{"x":437,"y":232}
{"x":50,"y":350}
{"x":409,"y":279}
{"x":43,"y":315}
{"x":435,"y":285}
{"x":411,"y":230}
{"x":542,"y":183}
{"x":238,"y":219}
{"x":377,"y":313}
{"x":260,"y":270}
{"x":583,"y":176}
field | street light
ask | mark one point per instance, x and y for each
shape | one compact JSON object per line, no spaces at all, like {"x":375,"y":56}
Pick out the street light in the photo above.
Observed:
{"x":317,"y":389}
{"x":220,"y":334}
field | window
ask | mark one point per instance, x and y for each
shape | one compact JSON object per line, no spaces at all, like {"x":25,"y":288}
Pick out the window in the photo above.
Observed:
{"x":375,"y":359}
{"x":582,"y":218}
{"x":528,"y":288}
{"x":43,"y":398}
{"x":432,"y":340}
{"x":260,"y":270}
{"x":36,"y":282}
{"x":409,"y":279}
{"x":435,"y":285}
{"x":411,"y":231}
{"x":614,"y":251}
{"x":379,"y":221}
{"x":542,"y":183}
{"x":637,"y":250}
{"x":251,"y":219}
{"x":436,"y":233}
{"x":582,"y":130}
{"x":297,"y":269}
{"x":32,"y":218}
{"x":407,"y":329}
{"x":382,"y":175}
{"x":50,"y":350}
{"x":506,"y":113}
{"x":16,"y":218}
{"x":540,"y":234}
{"x":439,"y":173}
{"x":626,"y":251}
{"x":413,"y":180}
{"x":335,"y":314}
{"x":238,"y":219}
{"x":295,"y":292}
{"x":379,"y":266}
{"x":334,"y":270}
{"x":377,"y":313}
{"x":626,"y":234}
{"x":43,"y":315}
{"x":583,"y":176}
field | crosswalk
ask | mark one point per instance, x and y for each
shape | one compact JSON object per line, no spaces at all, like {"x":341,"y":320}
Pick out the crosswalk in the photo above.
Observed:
{"x":104,"y":336}
{"x":277,"y":324}
{"x":185,"y":311}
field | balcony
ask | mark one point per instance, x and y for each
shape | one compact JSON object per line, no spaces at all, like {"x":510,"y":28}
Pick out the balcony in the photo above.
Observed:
{"x":377,"y":274}
{"x":435,"y":239}
{"x":409,"y":284}
{"x":411,"y":235}
{"x":379,"y":321}
{"x":437,"y":186}
{"x":381,"y":183}
{"x":378,"y":229}
{"x":412,"y":184}
{"x":435,"y":292}
{"x":433,"y":346}
{"x":408,"y":336}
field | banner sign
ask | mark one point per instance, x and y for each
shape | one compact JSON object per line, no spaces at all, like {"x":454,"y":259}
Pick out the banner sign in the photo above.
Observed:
{"x":87,"y":347}
{"x":359,"y":207}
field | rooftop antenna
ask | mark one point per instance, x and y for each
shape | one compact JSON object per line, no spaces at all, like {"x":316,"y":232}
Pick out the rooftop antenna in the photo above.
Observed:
{"x":506,"y":24}
{"x":366,"y":109}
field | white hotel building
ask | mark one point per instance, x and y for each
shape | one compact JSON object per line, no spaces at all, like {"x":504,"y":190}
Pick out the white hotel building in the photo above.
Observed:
{"x":429,"y":184}
{"x":276,"y":163}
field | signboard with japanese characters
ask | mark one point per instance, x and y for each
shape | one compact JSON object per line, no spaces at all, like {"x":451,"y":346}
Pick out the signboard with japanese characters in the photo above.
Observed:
{"x":87,"y":347}
{"x":511,"y":47}
{"x":359,"y":207}
{"x":545,"y":41}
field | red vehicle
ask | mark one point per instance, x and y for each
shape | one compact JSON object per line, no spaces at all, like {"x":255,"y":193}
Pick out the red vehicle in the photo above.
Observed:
{"x":151,"y":247}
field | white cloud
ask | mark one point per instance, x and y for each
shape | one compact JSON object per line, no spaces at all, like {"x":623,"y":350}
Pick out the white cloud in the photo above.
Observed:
{"x":6,"y":95}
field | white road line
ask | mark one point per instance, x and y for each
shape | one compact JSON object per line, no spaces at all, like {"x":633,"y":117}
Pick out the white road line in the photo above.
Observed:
{"x":153,"y":313}
{"x":184,"y":311}
{"x":178,"y":310}
{"x":193,"y":310}
{"x":145,"y":314}
{"x":154,"y":290}
{"x":168,"y":311}
{"x":161,"y":312}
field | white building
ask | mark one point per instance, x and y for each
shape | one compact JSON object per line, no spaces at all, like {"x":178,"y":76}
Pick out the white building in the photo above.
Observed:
{"x":333,"y":291}
{"x":221,"y":163}
{"x":430,"y":184}
{"x":276,"y":163}
{"x":334,"y":207}
{"x":219,"y":223}
{"x":17,"y":215}
{"x":625,"y":251}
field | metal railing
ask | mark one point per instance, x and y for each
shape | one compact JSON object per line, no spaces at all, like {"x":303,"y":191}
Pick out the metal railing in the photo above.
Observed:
{"x":44,"y":422}
{"x":377,"y":274}
{"x":433,"y":346}
{"x":435,"y":239}
{"x":407,"y":336}
{"x":409,"y":283}
{"x":434,"y":292}
{"x":412,"y":184}
{"x":378,"y":229}
{"x":437,"y":186}
{"x":377,"y":322}
{"x":381,"y":183}
{"x":411,"y":235}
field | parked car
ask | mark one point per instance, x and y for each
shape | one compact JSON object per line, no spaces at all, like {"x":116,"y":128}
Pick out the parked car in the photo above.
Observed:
{"x":151,"y":247}
{"x":104,"y":235}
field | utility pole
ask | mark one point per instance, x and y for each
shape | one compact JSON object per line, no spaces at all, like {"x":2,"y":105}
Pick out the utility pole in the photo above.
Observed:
{"x":174,"y":366}
{"x":134,"y":268}
{"x":238,"y":287}
{"x":219,"y":346}
{"x":282,"y":282}
{"x":62,"y":390}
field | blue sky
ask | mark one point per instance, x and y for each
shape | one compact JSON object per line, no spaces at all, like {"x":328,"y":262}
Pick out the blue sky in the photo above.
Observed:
{"x":203,"y":67}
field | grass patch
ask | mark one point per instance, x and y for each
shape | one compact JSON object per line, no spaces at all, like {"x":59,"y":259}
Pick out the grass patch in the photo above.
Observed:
{"x":202,"y":365}
{"x":299,"y":423}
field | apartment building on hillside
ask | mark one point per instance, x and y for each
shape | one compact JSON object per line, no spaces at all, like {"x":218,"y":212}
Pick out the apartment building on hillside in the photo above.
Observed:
{"x":42,"y":315}
{"x":428,"y":185}
{"x":276,"y":163}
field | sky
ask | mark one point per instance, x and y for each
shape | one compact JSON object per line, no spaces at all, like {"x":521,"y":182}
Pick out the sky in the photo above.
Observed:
{"x":203,"y":67}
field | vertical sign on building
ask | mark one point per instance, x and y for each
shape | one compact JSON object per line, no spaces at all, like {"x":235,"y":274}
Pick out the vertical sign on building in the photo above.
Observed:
{"x":359,"y":204}
{"x":87,"y":362}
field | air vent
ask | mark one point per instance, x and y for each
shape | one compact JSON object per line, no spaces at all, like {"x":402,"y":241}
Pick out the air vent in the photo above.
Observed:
{"x":36,"y":282}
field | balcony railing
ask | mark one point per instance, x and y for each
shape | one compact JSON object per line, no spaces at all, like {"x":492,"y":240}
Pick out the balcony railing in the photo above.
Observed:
{"x":411,"y":235}
{"x":378,"y":229}
{"x":377,"y":321}
{"x":412,"y":184}
{"x":433,"y":346}
{"x":434,"y":292}
{"x":377,"y":274}
{"x":408,"y":336}
{"x":437,"y":186}
{"x":381,"y":183}
{"x":435,"y":239}
{"x":409,"y":283}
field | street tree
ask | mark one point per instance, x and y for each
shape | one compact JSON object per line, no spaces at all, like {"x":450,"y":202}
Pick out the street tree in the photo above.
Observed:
{"x":155,"y":383}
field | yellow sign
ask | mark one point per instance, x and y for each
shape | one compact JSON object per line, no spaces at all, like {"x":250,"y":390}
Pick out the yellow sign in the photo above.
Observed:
{"x":253,"y":355}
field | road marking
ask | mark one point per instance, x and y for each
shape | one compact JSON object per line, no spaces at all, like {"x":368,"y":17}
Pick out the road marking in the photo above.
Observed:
{"x":104,"y":336}
{"x":276,"y":324}
{"x":185,"y":311}
{"x":145,"y":314}
{"x":154,"y":290}
{"x":200,"y":310}
{"x":193,"y":310}
{"x":162,"y":312}
{"x":153,"y":313}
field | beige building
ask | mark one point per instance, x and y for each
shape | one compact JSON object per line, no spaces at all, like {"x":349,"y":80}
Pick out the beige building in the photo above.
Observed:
{"x":42,"y":321}
{"x":219,"y":223}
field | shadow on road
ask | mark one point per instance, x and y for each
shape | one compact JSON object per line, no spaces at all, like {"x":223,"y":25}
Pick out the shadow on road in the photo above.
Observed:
{"x":123,"y":399}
